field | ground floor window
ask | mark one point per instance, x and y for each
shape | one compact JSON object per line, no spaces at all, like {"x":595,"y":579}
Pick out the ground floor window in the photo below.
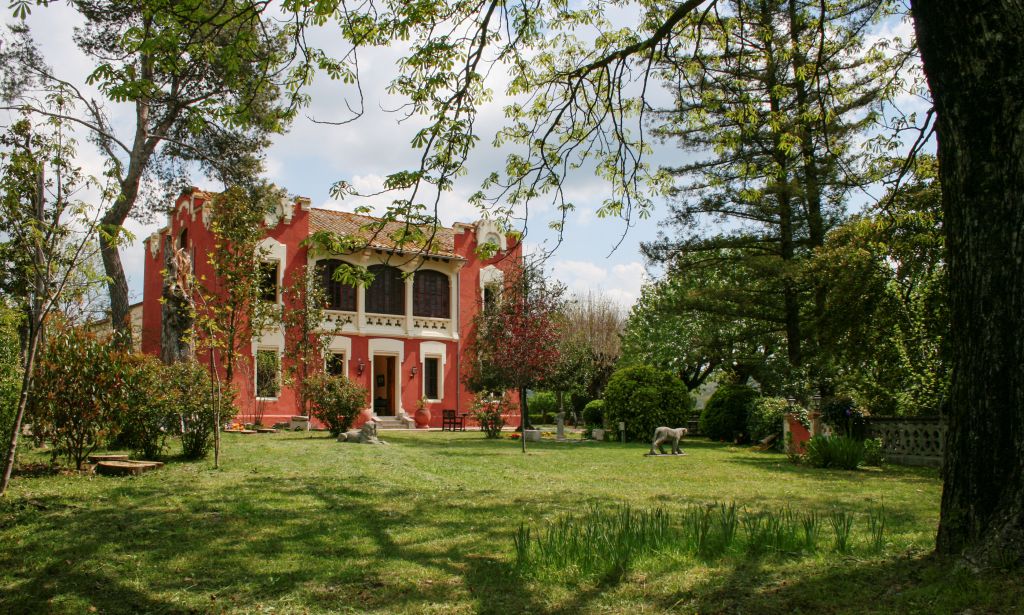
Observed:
{"x":432,"y":378}
{"x":336,"y":364}
{"x":268,"y":374}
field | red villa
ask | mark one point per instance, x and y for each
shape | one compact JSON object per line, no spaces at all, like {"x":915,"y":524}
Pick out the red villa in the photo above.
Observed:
{"x":402,"y":339}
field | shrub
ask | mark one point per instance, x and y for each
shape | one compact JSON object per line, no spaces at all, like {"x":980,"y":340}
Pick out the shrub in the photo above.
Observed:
{"x":75,"y":390}
{"x":545,"y":404}
{"x":491,"y":414}
{"x":766,"y":416}
{"x":593,"y":413}
{"x":834,"y":452}
{"x":10,"y":369}
{"x":725,"y":415}
{"x":192,"y":398}
{"x":335,"y":401}
{"x":843,"y":415}
{"x":874,"y":453}
{"x":645,"y":398}
{"x":145,"y":405}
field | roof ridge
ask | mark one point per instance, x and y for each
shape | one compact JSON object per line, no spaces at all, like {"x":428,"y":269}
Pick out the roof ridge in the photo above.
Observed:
{"x":375,"y":218}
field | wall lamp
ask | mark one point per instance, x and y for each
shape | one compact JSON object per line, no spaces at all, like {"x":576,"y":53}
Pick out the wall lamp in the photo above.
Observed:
{"x":360,"y":367}
{"x":414,"y":371}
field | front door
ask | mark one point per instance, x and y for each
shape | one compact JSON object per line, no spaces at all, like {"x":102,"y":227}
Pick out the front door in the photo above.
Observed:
{"x":385,"y":398}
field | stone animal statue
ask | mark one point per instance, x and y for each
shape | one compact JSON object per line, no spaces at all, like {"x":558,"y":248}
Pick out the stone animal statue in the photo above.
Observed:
{"x":666,"y":434}
{"x":367,"y":434}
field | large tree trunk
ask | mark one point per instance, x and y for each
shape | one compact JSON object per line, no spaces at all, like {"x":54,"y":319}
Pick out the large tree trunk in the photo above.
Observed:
{"x":177,"y":308}
{"x":973,"y":56}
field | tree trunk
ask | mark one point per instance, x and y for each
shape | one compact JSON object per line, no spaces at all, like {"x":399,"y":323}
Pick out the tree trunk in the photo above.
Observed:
{"x":177,"y":309}
{"x":972,"y":56}
{"x":117,"y":285}
{"x":524,"y":422}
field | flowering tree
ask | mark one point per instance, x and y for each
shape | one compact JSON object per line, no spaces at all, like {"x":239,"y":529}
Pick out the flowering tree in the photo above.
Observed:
{"x":514,"y":342}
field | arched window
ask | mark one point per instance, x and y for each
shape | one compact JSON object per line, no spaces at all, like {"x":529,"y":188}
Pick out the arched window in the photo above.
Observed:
{"x":430,"y":295}
{"x":183,"y":239}
{"x":339,"y":296}
{"x":386,"y":295}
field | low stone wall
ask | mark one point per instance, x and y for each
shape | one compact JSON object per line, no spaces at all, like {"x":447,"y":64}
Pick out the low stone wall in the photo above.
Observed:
{"x":910,"y":441}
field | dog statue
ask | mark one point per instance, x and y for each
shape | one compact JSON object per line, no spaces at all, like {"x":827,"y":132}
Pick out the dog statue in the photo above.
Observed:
{"x":663,"y":435}
{"x":367,"y":434}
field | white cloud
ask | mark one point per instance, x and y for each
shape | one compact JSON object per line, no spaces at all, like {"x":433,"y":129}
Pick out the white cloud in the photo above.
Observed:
{"x":620,"y":283}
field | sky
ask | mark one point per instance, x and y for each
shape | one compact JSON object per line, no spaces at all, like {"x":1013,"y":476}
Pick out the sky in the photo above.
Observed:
{"x":312,"y":156}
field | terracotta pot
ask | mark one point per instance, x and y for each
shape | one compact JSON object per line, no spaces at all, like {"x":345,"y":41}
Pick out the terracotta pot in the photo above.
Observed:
{"x":422,"y":417}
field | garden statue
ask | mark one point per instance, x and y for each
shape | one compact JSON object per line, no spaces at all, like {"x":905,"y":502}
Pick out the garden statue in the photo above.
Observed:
{"x":663,"y":435}
{"x":365,"y":435}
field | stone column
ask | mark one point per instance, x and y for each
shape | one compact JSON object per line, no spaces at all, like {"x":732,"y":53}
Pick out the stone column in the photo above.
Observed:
{"x":408,"y":303}
{"x":560,"y":434}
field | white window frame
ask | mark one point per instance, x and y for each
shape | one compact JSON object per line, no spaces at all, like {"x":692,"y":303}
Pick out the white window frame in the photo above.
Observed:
{"x":432,"y":350}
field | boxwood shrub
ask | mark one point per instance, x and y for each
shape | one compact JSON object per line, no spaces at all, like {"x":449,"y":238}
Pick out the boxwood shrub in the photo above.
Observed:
{"x":725,"y":415}
{"x":645,"y":398}
{"x":593,"y":413}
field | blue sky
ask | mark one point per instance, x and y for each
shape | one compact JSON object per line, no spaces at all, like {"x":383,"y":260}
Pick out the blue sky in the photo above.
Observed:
{"x":311,"y":157}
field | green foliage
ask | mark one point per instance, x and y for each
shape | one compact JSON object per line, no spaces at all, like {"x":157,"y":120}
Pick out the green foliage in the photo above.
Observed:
{"x":645,"y":398}
{"x":593,"y":413}
{"x":725,"y":414}
{"x":874,"y":452}
{"x":605,"y":542}
{"x":194,"y":397}
{"x":766,"y":416}
{"x":76,"y":395}
{"x":306,"y":338}
{"x":335,"y":401}
{"x":491,"y":414}
{"x":843,"y":415}
{"x":268,"y":373}
{"x":229,"y":307}
{"x":834,"y":452}
{"x":10,"y":368}
{"x":145,"y":410}
{"x":886,"y":317}
{"x":545,"y":405}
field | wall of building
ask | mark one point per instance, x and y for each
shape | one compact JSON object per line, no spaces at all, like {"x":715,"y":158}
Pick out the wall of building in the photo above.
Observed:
{"x":409,"y":346}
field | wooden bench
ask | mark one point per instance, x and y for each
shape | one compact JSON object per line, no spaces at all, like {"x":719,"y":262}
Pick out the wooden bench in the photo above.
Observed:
{"x":452,"y":421}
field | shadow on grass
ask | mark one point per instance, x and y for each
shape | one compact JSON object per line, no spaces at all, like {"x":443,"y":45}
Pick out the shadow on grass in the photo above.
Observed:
{"x":210,"y":552}
{"x":905,"y":584}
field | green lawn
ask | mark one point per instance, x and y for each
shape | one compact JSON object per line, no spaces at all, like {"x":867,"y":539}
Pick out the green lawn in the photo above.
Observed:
{"x":296,"y":524}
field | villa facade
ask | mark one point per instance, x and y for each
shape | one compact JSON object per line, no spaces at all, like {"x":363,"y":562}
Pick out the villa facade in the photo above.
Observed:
{"x":401,"y":337}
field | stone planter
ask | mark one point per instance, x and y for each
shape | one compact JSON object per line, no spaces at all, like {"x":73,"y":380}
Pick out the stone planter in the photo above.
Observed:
{"x":299,"y":423}
{"x":597,"y":434}
{"x":532,"y":435}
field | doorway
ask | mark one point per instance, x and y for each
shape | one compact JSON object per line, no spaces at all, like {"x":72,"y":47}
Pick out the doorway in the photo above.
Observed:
{"x":385,"y":394}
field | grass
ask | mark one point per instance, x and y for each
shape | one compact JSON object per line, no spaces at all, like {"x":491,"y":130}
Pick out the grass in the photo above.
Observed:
{"x":300,"y":524}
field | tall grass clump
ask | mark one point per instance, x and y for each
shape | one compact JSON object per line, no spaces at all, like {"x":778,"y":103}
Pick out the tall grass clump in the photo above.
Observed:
{"x":834,"y":452}
{"x":841,"y":522}
{"x":602,"y":542}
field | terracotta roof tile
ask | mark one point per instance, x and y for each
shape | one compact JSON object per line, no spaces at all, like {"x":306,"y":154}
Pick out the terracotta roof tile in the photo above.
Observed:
{"x":344,"y":223}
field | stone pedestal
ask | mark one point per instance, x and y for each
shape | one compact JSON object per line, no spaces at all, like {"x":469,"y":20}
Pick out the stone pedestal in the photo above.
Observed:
{"x":532,"y":435}
{"x":299,"y":423}
{"x":597,"y":434}
{"x":560,"y":433}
